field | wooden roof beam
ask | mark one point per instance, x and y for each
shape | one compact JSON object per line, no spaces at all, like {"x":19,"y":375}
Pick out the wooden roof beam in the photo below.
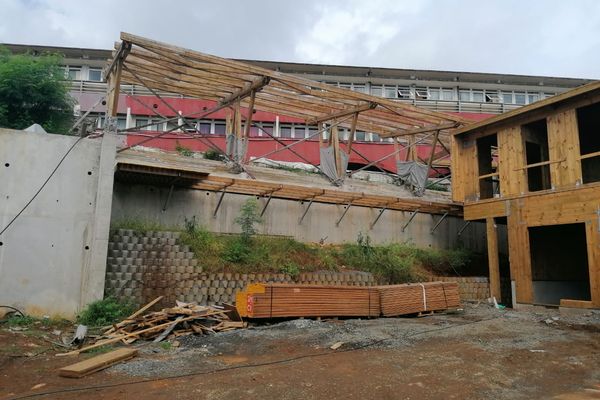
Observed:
{"x":342,"y":113}
{"x":254,"y":87}
{"x":427,"y":129}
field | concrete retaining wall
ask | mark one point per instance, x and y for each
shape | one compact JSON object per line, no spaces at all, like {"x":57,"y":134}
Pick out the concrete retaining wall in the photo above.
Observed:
{"x":52,"y":259}
{"x":144,"y":265}
{"x":146,"y":202}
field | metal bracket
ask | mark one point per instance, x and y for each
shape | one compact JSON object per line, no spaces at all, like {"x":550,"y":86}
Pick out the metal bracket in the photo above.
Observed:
{"x":266,"y":204}
{"x":378,"y":216}
{"x":306,"y":211}
{"x":438,"y":223}
{"x":343,"y":214}
{"x":413,"y":215}
{"x":170,"y":194}
{"x":223,"y":191}
{"x":460,"y":231}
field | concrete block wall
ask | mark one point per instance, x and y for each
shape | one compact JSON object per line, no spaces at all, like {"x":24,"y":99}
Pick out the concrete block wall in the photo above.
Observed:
{"x":469,"y":287}
{"x":144,"y":265}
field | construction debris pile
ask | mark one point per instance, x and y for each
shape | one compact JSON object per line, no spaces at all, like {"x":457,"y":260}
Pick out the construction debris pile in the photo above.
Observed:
{"x":288,"y":300}
{"x":169,"y":323}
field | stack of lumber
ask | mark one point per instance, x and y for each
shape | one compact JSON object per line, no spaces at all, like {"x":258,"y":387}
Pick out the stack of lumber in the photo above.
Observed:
{"x":416,"y":298}
{"x":288,"y":300}
{"x":169,"y":323}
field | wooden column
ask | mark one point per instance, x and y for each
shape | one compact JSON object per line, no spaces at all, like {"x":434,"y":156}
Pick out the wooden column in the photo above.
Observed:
{"x":335,"y":141}
{"x":114,"y":89}
{"x":410,"y":152}
{"x":352,"y":133}
{"x":493,"y":260}
{"x":396,"y":149}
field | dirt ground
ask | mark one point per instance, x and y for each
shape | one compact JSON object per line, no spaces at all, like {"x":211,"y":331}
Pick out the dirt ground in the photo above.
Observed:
{"x":478,"y":353}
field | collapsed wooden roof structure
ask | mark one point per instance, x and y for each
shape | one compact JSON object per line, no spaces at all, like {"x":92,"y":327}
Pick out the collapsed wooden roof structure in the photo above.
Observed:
{"x":237,"y":85}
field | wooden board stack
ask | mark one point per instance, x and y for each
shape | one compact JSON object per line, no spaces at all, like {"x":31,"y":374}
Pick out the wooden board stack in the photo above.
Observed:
{"x":415,"y":298}
{"x":97,"y":363}
{"x":288,"y":300}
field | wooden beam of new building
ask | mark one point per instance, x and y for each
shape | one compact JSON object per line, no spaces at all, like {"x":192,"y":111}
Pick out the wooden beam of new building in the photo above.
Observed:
{"x":342,"y":113}
{"x":254,"y":87}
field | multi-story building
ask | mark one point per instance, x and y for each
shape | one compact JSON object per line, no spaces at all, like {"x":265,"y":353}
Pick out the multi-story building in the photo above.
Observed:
{"x":473,"y":95}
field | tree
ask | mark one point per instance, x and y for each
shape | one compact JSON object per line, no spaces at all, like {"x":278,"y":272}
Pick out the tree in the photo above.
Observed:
{"x":248,"y":218}
{"x":33,"y":90}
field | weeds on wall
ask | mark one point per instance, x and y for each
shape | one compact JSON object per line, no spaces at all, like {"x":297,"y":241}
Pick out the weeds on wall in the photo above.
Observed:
{"x":215,"y":155}
{"x":182,"y":150}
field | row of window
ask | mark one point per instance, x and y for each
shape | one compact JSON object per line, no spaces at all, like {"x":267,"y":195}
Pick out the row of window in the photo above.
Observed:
{"x":259,"y":129}
{"x":447,"y":94}
{"x":78,"y":73}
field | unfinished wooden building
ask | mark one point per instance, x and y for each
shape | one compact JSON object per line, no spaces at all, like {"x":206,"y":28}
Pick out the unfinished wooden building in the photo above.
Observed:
{"x":536,"y":171}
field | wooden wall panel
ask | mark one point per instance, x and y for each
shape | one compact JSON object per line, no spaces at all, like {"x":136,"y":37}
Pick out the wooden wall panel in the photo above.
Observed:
{"x":480,"y":210}
{"x":563,"y":142}
{"x":511,"y":156}
{"x":493,"y":259}
{"x":464,"y":170}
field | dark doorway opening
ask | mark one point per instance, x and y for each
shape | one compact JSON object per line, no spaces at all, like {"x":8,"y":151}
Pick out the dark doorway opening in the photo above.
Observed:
{"x":487,"y":152}
{"x":505,"y":279}
{"x":559,"y":263}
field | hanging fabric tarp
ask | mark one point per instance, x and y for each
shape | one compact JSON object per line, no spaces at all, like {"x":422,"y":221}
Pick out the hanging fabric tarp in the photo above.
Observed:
{"x":413,"y":174}
{"x":328,"y":164}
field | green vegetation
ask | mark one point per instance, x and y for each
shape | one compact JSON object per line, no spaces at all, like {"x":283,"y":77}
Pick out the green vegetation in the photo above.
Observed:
{"x":166,"y":345}
{"x":104,"y":312}
{"x":21,"y":320}
{"x":184,"y":151}
{"x":211,"y":154}
{"x":33,"y":90}
{"x":138,"y":225}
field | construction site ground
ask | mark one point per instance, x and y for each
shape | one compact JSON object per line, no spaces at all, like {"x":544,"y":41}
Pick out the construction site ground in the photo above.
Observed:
{"x":477,"y":353}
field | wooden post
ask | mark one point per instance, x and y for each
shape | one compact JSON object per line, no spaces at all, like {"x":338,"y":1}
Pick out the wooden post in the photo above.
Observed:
{"x":493,"y":260}
{"x":396,"y":149}
{"x":228,"y":133}
{"x":336,"y":151}
{"x":410,"y":151}
{"x":247,"y":126}
{"x":319,"y":127}
{"x":113,"y":89}
{"x":352,"y":133}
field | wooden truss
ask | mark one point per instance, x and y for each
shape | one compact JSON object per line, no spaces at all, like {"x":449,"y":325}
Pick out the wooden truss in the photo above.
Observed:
{"x":164,"y":67}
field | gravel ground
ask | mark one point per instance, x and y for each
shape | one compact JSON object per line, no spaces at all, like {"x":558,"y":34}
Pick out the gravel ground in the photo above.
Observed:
{"x":478,"y":325}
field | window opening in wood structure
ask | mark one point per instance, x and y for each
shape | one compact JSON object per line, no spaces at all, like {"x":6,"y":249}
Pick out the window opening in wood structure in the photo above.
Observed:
{"x":588,"y":121}
{"x":556,"y":273}
{"x":535,"y":137}
{"x":487,"y":157}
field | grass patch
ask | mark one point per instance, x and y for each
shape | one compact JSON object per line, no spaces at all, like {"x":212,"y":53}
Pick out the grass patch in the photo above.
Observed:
{"x":182,"y":150}
{"x":21,"y":321}
{"x":166,"y":345}
{"x":105,"y":312}
{"x":140,"y":226}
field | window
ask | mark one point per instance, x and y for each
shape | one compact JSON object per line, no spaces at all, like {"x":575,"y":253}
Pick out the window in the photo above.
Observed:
{"x":535,"y":137}
{"x":464,"y":95}
{"x":220,"y":128}
{"x":95,"y":74}
{"x":299,"y":131}
{"x":507,"y":97}
{"x":375,"y":137}
{"x":172,"y":125}
{"x":421,"y":93}
{"x":141,"y":122}
{"x":285,"y":131}
{"x":478,"y":96}
{"x":519,"y":98}
{"x":254,"y":131}
{"x":360,"y":136}
{"x":74,"y":73}
{"x":359,"y":88}
{"x":532,"y":98}
{"x":447,"y":94}
{"x":267,"y":129}
{"x":487,"y":149}
{"x":376,"y":90}
{"x":404,"y":93}
{"x":491,"y":96}
{"x":390,"y":92}
{"x":434,"y":94}
{"x":121,"y":123}
{"x":312,"y":130}
{"x":588,"y":121}
{"x":203,"y":127}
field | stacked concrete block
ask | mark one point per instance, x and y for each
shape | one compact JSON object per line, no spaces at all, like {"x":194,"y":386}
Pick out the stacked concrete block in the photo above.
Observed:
{"x":144,"y":265}
{"x":469,"y":287}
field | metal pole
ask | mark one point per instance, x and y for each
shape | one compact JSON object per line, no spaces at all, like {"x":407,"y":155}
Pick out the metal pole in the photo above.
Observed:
{"x":266,"y":204}
{"x":463,"y":228}
{"x":305,"y":211}
{"x":343,"y":214}
{"x":379,"y":216}
{"x":414,"y":213}
{"x":438,"y":223}
{"x":220,"y":201}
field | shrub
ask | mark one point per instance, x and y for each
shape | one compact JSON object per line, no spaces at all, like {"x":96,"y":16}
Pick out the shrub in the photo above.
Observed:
{"x":104,"y":312}
{"x":215,"y":155}
{"x":248,"y":218}
{"x":184,"y":151}
{"x":291,"y":269}
{"x":237,"y":251}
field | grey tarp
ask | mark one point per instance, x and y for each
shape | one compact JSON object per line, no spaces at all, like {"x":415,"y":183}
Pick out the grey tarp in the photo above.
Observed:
{"x":236,"y":148}
{"x":328,"y":164}
{"x":413,"y":173}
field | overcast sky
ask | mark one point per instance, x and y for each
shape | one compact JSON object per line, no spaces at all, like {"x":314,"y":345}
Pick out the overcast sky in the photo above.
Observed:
{"x":537,"y":37}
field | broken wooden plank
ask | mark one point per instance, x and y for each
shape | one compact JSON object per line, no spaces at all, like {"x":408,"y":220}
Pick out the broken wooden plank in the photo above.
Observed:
{"x":97,"y":363}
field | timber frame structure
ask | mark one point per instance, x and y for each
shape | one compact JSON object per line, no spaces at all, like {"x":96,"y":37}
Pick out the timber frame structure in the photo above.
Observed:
{"x":244,"y":89}
{"x":537,"y":170}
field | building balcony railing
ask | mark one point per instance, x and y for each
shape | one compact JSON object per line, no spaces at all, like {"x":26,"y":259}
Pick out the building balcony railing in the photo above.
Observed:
{"x":435,"y":105}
